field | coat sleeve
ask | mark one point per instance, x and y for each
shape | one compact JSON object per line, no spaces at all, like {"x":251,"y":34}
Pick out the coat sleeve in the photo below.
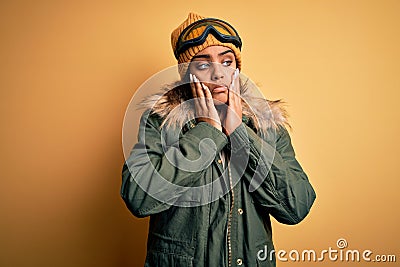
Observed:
{"x":155,"y":176}
{"x":281,"y":186}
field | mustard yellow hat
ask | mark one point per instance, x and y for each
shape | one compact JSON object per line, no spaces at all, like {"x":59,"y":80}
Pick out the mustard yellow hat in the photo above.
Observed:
{"x":184,"y":51}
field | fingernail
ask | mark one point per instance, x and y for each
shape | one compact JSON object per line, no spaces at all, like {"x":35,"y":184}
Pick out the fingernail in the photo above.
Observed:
{"x":190,"y":77}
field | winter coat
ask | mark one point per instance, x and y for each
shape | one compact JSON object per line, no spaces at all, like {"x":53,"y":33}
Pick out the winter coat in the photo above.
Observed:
{"x":227,"y":221}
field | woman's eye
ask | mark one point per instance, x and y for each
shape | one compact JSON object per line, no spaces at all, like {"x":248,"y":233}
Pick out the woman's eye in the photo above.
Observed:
{"x":227,"y":63}
{"x":203,"y":66}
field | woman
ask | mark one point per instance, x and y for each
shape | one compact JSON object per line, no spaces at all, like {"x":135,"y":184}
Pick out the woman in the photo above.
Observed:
{"x":213,"y":161}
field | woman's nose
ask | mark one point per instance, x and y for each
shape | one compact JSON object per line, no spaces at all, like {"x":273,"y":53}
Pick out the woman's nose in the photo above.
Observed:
{"x":217,"y":72}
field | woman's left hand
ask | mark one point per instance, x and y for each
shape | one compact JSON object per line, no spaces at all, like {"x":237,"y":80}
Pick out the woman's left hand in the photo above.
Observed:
{"x":233,"y":117}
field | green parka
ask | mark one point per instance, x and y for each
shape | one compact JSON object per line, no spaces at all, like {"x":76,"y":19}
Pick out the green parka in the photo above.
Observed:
{"x":192,"y":228}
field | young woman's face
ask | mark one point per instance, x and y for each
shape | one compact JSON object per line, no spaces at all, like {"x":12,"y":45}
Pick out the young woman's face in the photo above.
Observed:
{"x":214,"y":66}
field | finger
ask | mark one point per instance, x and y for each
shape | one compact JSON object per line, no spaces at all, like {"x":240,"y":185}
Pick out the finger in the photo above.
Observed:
{"x":207,"y":91}
{"x":199,"y":87}
{"x":234,"y":92}
{"x":192,"y":86}
{"x":200,"y":93}
{"x":211,"y":107}
{"x":209,"y":98}
{"x":235,"y":81}
{"x":196,"y":99}
{"x":231,"y":89}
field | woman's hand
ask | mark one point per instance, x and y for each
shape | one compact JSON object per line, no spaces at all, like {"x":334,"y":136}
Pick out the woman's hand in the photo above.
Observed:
{"x":204,"y":103}
{"x":233,"y":117}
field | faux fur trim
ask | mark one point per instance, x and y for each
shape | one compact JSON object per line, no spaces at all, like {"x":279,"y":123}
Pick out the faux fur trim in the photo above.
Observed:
{"x":171,"y":104}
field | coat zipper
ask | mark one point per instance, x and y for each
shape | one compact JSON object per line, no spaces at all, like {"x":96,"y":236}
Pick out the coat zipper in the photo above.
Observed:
{"x":230,"y":216}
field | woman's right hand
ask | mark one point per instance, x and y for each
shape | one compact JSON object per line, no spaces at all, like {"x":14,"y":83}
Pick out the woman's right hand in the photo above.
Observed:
{"x":204,"y":103}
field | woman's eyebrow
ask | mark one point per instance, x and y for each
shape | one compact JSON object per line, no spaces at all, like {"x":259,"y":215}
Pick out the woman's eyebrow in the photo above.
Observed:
{"x":208,"y":56}
{"x":201,"y":56}
{"x":225,"y":52}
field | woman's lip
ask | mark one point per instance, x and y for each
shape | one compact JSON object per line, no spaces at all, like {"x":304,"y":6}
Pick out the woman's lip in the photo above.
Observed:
{"x":219,"y":89}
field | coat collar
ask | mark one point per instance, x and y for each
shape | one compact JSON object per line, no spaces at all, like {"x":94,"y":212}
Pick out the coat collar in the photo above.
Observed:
{"x":171,"y":104}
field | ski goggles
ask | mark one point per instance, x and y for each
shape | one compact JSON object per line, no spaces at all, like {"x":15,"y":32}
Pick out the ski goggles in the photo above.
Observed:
{"x":196,"y":33}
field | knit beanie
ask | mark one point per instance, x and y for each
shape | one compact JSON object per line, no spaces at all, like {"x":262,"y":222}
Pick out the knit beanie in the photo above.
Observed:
{"x":187,"y":55}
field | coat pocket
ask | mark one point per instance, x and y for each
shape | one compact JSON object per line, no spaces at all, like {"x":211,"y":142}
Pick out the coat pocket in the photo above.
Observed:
{"x":166,"y":251}
{"x":176,"y":223}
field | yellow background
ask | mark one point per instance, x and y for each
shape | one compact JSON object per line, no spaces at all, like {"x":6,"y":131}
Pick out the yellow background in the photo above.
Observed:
{"x":70,"y":68}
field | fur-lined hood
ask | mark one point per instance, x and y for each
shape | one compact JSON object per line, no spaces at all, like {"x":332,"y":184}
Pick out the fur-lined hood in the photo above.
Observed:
{"x":172,"y":104}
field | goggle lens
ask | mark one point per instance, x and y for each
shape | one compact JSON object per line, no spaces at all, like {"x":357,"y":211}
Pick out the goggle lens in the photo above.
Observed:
{"x":197,"y":32}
